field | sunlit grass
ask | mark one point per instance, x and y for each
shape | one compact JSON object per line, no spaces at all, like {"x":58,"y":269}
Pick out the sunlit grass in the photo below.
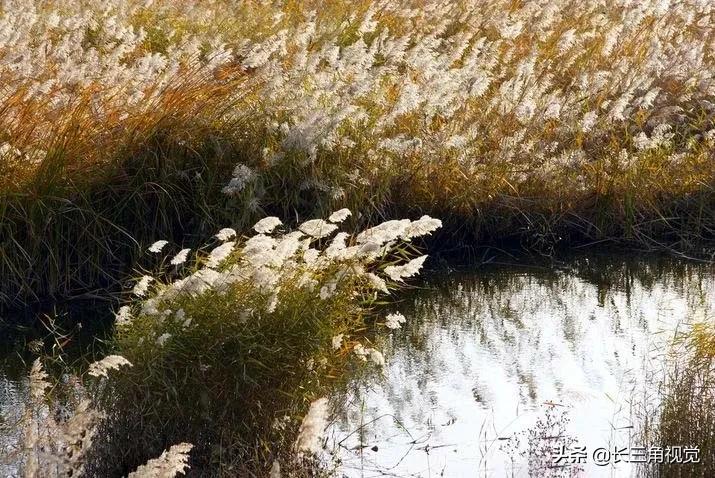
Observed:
{"x":545,"y":126}
{"x":229,"y":348}
{"x":518,"y":123}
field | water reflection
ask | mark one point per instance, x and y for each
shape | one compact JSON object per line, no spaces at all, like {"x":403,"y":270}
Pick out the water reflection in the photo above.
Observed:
{"x":75,"y":330}
{"x":489,"y":357}
{"x":13,"y":390}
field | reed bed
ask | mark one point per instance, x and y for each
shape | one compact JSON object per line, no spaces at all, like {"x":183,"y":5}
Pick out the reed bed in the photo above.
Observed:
{"x":540,"y":123}
{"x":227,"y":350}
{"x":684,"y":417}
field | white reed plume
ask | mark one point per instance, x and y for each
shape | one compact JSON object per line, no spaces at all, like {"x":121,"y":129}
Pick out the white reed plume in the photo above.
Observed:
{"x":311,"y":429}
{"x":171,"y":463}
{"x":157,"y":246}
{"x":100,"y":368}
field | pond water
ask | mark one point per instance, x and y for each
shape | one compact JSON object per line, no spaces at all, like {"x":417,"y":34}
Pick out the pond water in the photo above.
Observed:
{"x":79,"y":343}
{"x":498,"y":367}
{"x":13,"y":390}
{"x":496,"y":370}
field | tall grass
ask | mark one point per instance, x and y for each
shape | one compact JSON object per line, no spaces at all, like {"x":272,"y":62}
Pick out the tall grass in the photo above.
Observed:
{"x":81,"y":217}
{"x":57,"y":439}
{"x":566,"y":123}
{"x":683,"y":414}
{"x":225,"y":347}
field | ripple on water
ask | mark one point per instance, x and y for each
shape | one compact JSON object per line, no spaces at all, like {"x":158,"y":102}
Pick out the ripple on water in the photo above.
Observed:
{"x":489,"y":356}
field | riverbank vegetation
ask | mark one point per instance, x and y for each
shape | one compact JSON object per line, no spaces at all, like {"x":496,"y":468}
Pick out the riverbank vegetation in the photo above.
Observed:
{"x":535,"y":124}
{"x":685,"y":409}
{"x":227,"y":348}
{"x":565,"y":123}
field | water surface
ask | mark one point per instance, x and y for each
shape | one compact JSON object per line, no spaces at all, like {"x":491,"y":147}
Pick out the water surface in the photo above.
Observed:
{"x":75,"y":332}
{"x":13,"y":390}
{"x":499,"y":366}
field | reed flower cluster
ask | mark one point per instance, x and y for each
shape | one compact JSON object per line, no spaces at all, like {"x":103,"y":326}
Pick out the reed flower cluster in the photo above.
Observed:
{"x":57,"y":440}
{"x":537,"y":88}
{"x":53,"y":446}
{"x":273,"y":266}
{"x":250,"y":330}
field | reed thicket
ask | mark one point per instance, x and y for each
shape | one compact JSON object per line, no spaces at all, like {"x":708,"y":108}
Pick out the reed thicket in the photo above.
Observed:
{"x":228,"y":346}
{"x":685,"y":417}
{"x":542,"y":123}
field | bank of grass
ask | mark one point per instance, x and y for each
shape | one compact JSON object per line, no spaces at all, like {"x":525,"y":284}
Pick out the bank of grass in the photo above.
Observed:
{"x":236,"y":390}
{"x":229,"y":348}
{"x":76,"y":227}
{"x":512,"y":122}
{"x":78,"y":219}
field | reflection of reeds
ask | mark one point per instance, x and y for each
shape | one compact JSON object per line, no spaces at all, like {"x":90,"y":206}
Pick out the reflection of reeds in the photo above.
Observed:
{"x":640,"y":297}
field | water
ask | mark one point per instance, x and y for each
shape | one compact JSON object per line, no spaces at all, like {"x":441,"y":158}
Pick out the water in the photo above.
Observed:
{"x":13,"y":390}
{"x":77,"y":332}
{"x":490,"y":356}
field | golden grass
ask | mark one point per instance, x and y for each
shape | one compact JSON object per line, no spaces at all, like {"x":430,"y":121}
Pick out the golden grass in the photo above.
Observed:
{"x":100,"y":177}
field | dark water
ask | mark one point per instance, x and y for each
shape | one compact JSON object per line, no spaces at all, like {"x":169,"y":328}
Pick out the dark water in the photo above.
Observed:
{"x":498,"y":367}
{"x":74,"y":332}
{"x":489,"y":356}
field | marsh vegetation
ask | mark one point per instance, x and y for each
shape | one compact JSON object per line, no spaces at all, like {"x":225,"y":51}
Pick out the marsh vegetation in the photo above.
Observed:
{"x":226,"y":182}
